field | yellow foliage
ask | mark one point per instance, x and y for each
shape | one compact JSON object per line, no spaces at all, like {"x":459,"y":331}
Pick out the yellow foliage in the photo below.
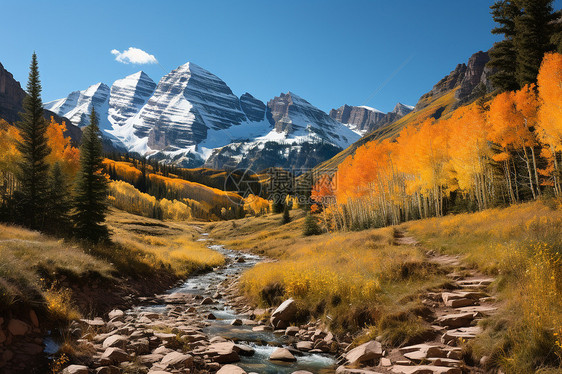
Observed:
{"x":124,"y":196}
{"x":256,"y":205}
{"x":60,"y":305}
{"x":351,"y":267}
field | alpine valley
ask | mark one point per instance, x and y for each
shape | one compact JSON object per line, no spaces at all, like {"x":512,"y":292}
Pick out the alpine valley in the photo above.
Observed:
{"x":191,"y":118}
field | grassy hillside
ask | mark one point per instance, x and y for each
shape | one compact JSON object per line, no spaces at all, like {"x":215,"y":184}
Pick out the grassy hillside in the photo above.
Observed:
{"x":351,"y":280}
{"x":522,"y":246}
{"x":62,"y":280}
{"x":362,"y":279}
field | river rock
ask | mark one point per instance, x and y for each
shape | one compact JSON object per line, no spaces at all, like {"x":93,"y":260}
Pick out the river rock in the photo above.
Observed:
{"x":207,"y":301}
{"x":118,"y":341}
{"x":301,"y":372}
{"x":236,"y":322}
{"x":150,"y":358}
{"x":282,"y":354}
{"x":75,"y":369}
{"x":116,"y":313}
{"x":177,"y":360}
{"x":344,"y":370}
{"x":108,"y":370}
{"x":231,"y":369}
{"x":223,"y":353}
{"x":261,"y":328}
{"x":284,"y":314}
{"x":244,"y":350}
{"x":115,"y":355}
{"x":17,"y":327}
{"x":292,"y":330}
{"x":369,"y":351}
{"x":305,"y":346}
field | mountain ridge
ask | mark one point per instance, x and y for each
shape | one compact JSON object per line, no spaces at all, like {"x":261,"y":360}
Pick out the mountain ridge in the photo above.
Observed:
{"x":192,"y":118}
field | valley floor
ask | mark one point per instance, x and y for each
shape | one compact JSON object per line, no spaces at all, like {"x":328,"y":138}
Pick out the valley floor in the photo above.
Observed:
{"x":482,"y":289}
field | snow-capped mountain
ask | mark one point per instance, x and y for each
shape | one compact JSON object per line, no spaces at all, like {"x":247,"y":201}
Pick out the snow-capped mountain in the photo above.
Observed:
{"x":78,"y":105}
{"x":364,"y":119}
{"x":191,"y":118}
{"x":301,"y":137}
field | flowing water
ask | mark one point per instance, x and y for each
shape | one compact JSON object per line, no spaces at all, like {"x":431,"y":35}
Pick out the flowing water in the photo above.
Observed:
{"x":264,"y":343}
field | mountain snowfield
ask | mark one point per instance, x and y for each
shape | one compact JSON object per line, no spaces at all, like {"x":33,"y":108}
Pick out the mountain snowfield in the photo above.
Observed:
{"x":192,"y":118}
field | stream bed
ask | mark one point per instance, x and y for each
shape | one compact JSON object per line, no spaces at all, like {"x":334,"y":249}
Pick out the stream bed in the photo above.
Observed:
{"x":263,"y":342}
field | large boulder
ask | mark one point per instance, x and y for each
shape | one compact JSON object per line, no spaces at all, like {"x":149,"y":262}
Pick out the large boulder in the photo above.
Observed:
{"x":231,"y":369}
{"x":282,"y":354}
{"x":75,"y":369}
{"x":223,"y":353}
{"x":17,"y":327}
{"x":284,"y":314}
{"x":118,"y":341}
{"x":177,"y":360}
{"x":370,"y":351}
{"x":115,"y":355}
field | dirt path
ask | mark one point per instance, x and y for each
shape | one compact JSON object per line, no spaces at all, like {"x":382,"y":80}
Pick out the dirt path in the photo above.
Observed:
{"x":455,"y":313}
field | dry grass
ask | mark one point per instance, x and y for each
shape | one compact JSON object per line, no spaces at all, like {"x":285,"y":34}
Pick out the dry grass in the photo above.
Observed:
{"x":351,"y":279}
{"x":30,"y":260}
{"x":150,"y":244}
{"x":522,"y":246}
{"x":36,"y":271}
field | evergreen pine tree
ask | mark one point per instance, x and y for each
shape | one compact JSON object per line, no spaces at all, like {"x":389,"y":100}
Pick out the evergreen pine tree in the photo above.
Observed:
{"x":33,"y":168}
{"x":503,"y":56}
{"x":310,"y":226}
{"x":58,"y":202}
{"x":91,"y":187}
{"x":556,"y":38}
{"x":532,"y":38}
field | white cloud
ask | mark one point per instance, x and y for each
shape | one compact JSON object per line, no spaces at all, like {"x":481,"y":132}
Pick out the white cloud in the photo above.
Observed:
{"x":134,"y":56}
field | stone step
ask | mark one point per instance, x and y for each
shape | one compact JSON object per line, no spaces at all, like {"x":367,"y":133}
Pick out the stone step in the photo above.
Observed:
{"x":475,"y":282}
{"x":425,"y":369}
{"x":451,"y":337}
{"x":456,"y":320}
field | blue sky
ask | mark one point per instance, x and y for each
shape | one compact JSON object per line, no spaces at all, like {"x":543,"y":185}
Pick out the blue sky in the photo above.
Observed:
{"x":331,"y":53}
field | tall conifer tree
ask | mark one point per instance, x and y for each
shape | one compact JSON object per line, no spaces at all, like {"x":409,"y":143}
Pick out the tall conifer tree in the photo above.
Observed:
{"x":33,"y":168}
{"x":503,"y":56}
{"x":91,"y":187}
{"x":532,"y":38}
{"x":58,"y":202}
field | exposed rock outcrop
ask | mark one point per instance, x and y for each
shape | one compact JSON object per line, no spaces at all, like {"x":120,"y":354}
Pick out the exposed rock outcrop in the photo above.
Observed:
{"x":11,"y":105}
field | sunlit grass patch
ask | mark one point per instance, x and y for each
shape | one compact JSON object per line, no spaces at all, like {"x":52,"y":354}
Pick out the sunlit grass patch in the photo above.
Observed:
{"x":522,"y":246}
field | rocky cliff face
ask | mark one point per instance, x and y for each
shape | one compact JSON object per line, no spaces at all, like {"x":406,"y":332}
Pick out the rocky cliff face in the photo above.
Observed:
{"x":470,"y":79}
{"x":11,"y":96}
{"x":11,"y":105}
{"x":363,"y":119}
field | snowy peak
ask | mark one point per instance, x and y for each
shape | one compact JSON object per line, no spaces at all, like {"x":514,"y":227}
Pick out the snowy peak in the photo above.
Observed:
{"x":128,"y":96}
{"x":191,"y":117}
{"x":296,"y":117}
{"x":78,"y":105}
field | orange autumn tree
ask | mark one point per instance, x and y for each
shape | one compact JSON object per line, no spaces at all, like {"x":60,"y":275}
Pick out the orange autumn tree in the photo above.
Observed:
{"x":62,"y":150}
{"x":470,"y":154}
{"x":460,"y":157}
{"x":549,"y":124}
